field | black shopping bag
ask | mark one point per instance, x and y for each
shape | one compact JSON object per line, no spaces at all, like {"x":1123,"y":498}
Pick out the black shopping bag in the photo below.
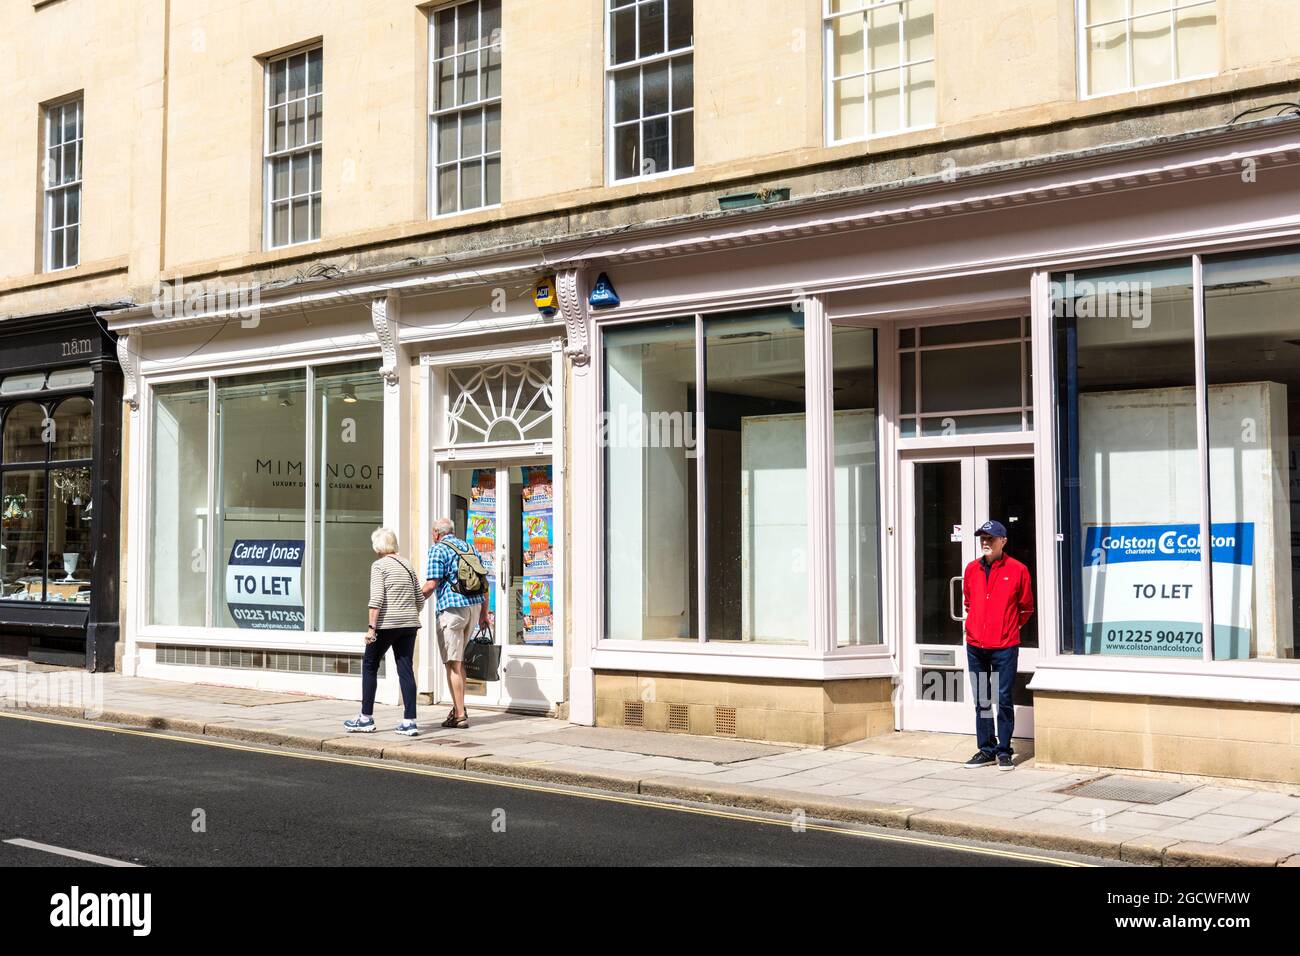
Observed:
{"x":483,"y":656}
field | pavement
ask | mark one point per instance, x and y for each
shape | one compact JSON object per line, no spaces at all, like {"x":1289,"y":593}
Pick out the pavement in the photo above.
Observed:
{"x":910,"y":782}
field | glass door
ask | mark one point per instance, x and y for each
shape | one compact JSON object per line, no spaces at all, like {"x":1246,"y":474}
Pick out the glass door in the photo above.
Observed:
{"x":506,"y":512}
{"x":949,"y":495}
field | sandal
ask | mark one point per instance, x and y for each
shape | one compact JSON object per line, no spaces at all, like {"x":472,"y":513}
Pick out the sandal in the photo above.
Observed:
{"x":454,"y":721}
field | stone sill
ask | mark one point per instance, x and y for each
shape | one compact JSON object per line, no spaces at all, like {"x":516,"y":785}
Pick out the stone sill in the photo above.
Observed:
{"x":87,"y":270}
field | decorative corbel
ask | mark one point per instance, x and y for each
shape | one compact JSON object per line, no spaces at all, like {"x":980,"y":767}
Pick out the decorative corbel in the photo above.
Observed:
{"x":385,"y":314}
{"x":577,"y":319}
{"x":128,"y":357}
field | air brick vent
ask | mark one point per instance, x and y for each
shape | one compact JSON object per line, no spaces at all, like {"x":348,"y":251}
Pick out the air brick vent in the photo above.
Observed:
{"x":294,"y":662}
{"x":633,"y":713}
{"x":724,"y":721}
{"x":679,"y":718}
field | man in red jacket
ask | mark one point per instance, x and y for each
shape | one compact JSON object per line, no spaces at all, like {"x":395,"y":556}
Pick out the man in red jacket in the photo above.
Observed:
{"x":999,"y":599}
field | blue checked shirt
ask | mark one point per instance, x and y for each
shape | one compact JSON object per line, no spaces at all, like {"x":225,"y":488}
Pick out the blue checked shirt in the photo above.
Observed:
{"x":440,"y":567}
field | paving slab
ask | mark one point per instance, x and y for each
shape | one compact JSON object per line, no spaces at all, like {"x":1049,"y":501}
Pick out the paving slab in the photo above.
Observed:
{"x":684,"y":746}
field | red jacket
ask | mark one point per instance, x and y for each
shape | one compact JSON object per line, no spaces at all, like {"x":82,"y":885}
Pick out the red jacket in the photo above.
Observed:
{"x":997,"y":604}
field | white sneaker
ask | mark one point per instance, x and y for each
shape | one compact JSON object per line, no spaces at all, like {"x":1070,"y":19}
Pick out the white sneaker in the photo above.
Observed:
{"x":407,"y":728}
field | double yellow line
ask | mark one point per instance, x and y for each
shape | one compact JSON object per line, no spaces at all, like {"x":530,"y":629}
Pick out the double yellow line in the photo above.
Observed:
{"x":544,"y":788}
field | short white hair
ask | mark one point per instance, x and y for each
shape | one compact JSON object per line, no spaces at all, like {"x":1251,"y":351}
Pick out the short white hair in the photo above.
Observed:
{"x":444,"y":526}
{"x":383,"y":541}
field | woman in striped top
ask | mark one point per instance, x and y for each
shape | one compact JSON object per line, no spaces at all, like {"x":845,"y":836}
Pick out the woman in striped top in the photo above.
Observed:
{"x":395,"y":604}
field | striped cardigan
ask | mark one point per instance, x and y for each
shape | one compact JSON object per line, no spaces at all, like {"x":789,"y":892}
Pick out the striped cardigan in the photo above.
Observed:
{"x":395,"y":591}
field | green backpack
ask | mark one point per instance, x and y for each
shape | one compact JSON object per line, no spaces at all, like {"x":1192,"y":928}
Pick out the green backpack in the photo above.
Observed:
{"x":470,"y":578}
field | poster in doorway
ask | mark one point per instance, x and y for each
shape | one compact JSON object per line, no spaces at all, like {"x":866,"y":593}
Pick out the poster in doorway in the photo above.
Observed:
{"x":481,"y":521}
{"x":537,"y":502}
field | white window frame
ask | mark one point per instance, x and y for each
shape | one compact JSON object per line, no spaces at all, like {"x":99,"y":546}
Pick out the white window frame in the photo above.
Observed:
{"x":639,"y":64}
{"x":457,"y":113}
{"x":58,"y":192}
{"x":314,"y":192}
{"x":210,"y":633}
{"x":1081,"y":29}
{"x":864,"y":8}
{"x":918,"y":416}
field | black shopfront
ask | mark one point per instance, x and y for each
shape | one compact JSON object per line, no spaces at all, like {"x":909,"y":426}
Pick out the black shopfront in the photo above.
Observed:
{"x":60,"y":489}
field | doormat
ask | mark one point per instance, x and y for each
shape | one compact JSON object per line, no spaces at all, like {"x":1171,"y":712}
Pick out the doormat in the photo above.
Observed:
{"x":1129,"y":789}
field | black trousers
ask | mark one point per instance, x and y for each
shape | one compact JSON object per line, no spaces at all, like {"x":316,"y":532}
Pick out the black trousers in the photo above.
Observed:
{"x":402,"y":641}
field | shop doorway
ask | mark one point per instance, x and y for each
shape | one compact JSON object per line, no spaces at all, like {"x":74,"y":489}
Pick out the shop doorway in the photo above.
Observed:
{"x":946,"y":495}
{"x":505,"y":509}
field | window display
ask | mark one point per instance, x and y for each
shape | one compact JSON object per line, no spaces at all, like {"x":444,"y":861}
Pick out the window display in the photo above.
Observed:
{"x":46,"y":501}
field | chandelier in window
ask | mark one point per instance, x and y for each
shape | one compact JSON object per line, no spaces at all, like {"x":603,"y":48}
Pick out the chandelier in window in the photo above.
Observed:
{"x":72,"y":484}
{"x":509,"y":401}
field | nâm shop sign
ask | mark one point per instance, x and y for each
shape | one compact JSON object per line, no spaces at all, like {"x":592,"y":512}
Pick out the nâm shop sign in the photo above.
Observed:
{"x":1142,"y":589}
{"x":264,"y":584}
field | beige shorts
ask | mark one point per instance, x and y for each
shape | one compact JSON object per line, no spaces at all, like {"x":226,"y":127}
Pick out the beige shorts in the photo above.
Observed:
{"x":456,"y":625}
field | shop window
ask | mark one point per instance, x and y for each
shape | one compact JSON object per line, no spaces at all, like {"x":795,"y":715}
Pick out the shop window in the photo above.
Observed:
{"x":857,"y":488}
{"x":1130,"y":494}
{"x":1131,"y":44}
{"x":260,"y":515}
{"x":651,"y":87}
{"x":964,"y":378}
{"x":880,"y":67}
{"x":1252,"y":369}
{"x":465,"y":124}
{"x":1134,"y":482}
{"x":746,"y":508}
{"x":504,"y":402}
{"x":257,"y":575}
{"x":72,"y":434}
{"x":649,"y":436}
{"x":46,"y":501}
{"x":756,"y":521}
{"x":179,"y":504}
{"x":348,"y":473}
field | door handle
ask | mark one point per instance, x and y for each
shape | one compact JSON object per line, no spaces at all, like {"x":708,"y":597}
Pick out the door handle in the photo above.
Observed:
{"x":503,"y":571}
{"x":952,"y":605}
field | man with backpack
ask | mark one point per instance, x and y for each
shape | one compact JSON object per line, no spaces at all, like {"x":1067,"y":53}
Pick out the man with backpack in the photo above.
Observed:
{"x":460,"y":578}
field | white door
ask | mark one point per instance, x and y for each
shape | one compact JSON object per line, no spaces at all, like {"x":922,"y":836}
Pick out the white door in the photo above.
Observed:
{"x":505,"y":510}
{"x":946,"y":496}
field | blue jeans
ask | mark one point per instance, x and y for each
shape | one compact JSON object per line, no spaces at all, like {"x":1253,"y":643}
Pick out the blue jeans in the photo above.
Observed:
{"x":402,"y":641}
{"x":993,"y":671}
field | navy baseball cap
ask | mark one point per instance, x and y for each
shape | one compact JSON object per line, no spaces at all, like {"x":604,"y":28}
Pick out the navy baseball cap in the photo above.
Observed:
{"x":994,"y":529}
